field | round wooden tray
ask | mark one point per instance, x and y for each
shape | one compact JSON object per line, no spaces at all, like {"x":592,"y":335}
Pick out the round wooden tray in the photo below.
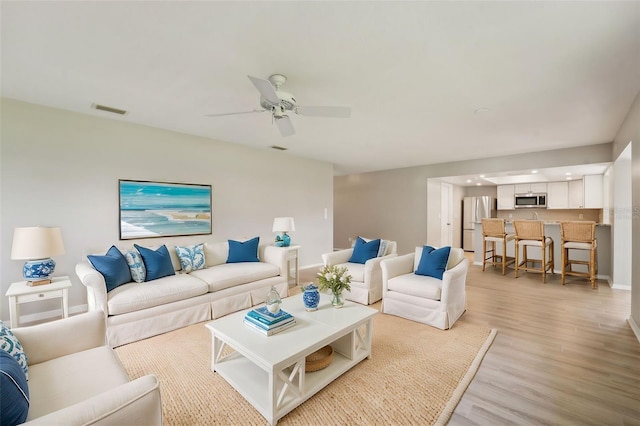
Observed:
{"x":319,"y":359}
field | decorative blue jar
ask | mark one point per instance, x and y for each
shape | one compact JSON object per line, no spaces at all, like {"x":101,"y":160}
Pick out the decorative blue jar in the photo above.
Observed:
{"x":311,"y":297}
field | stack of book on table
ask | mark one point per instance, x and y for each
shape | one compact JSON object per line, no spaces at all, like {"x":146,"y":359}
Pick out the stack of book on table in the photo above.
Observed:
{"x":267,"y":323}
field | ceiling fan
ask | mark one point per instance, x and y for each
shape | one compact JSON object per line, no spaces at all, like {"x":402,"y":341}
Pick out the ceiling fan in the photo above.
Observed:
{"x":279,"y":103}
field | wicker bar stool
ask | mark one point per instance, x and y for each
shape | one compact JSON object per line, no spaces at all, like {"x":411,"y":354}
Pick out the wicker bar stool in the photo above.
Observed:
{"x":531,"y":233}
{"x":579,"y":236}
{"x":493,"y":232}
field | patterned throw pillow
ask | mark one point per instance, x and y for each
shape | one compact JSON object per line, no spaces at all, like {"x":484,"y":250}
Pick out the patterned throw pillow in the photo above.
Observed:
{"x":191,"y":258}
{"x":136,"y":265}
{"x":9,"y":343}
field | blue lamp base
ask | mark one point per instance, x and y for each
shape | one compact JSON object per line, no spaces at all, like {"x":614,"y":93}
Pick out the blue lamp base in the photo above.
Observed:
{"x":283,"y":240}
{"x":40,"y":269}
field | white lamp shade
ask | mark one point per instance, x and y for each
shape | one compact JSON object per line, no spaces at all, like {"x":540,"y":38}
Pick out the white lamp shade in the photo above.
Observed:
{"x":283,"y":224}
{"x":36,"y":242}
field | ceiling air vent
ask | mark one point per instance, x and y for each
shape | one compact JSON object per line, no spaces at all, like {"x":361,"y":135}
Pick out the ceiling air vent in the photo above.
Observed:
{"x":109,"y":109}
{"x":279,"y":148}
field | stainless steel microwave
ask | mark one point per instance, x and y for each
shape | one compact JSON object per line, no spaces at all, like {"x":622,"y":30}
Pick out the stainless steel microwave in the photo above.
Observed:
{"x":527,"y":201}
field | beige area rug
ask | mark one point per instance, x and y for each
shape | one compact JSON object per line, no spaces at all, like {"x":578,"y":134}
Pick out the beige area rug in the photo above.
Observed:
{"x":417,"y":375}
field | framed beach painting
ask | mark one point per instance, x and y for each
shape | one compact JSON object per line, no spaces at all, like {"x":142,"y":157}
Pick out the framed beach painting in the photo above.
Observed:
{"x":162,"y":209}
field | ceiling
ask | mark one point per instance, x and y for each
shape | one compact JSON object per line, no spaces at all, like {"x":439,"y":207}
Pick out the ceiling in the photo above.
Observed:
{"x":427,"y":82}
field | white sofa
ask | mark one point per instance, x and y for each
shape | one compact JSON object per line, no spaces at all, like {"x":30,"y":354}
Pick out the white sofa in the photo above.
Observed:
{"x":75,"y":379}
{"x":425,"y":299}
{"x":366,"y":279}
{"x":136,"y":311}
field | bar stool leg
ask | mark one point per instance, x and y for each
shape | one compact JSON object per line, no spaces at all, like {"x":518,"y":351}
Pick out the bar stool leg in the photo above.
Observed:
{"x":544,"y":263}
{"x":484,"y":252}
{"x":517,"y":257}
{"x":565,"y":254}
{"x":592,"y":268}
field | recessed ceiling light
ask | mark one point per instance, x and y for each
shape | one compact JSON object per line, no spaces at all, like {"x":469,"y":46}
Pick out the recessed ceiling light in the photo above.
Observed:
{"x":478,"y":184}
{"x":482,"y":176}
{"x":534,"y":171}
{"x":468,"y":180}
{"x":569,"y":178}
{"x":568,"y":173}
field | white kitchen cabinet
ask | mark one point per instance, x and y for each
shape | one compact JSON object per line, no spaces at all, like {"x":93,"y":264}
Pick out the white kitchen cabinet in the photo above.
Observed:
{"x":525,"y":188}
{"x":505,"y":195}
{"x":576,"y":194}
{"x":593,"y":191}
{"x":557,"y":195}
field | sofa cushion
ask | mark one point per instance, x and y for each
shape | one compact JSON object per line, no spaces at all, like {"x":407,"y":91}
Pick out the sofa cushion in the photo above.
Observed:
{"x":136,"y":265}
{"x":356,"y":270}
{"x":243,"y":251}
{"x":156,"y":262}
{"x":191,"y":257}
{"x":137,"y":296}
{"x":11,"y":345}
{"x":14,"y":404}
{"x":73,"y":378}
{"x":363,"y":250}
{"x":433,"y":262}
{"x":113,"y":267}
{"x":416,"y":285}
{"x":232,"y":274}
{"x":216,"y":253}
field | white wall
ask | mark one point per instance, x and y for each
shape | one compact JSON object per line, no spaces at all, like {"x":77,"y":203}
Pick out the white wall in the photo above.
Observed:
{"x":622,"y":221}
{"x":60,"y":168}
{"x":630,"y":133}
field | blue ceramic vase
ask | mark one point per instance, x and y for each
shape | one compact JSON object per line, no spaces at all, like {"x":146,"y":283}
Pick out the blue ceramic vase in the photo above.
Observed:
{"x":311,"y":297}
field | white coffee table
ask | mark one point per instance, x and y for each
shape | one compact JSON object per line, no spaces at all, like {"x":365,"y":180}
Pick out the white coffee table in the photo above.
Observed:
{"x":269,"y":371}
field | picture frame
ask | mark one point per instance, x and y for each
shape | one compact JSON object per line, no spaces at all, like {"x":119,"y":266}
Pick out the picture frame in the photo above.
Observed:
{"x":152,"y":209}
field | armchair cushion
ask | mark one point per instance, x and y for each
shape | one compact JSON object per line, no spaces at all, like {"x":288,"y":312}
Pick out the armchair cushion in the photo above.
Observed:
{"x":156,"y":262}
{"x":243,"y":251}
{"x":433,"y":262}
{"x":363,"y":251}
{"x":113,"y":266}
{"x":14,"y":404}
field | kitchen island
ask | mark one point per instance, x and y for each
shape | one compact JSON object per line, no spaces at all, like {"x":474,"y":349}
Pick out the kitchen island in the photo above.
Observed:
{"x":552,"y":229}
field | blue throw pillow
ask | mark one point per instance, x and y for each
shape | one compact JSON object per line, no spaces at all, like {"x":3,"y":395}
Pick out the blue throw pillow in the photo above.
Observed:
{"x":157,"y":262}
{"x":246,"y":251}
{"x":363,"y":251}
{"x":113,"y":267}
{"x":433,"y":262}
{"x":11,"y":345}
{"x":14,"y":404}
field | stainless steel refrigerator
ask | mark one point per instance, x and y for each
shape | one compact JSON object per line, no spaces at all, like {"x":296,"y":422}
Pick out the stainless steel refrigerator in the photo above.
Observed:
{"x":474,"y":209}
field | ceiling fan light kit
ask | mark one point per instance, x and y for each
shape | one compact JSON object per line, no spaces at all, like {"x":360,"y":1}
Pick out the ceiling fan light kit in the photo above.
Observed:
{"x":278,"y":102}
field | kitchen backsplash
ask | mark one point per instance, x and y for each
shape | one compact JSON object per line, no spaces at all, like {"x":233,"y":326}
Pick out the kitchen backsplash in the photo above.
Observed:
{"x":552,"y":215}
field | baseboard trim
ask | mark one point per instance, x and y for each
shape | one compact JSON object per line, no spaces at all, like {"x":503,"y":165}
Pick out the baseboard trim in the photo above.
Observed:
{"x":634,"y":327}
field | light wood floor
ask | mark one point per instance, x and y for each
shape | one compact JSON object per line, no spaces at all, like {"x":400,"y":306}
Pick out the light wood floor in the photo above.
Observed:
{"x":562,"y":355}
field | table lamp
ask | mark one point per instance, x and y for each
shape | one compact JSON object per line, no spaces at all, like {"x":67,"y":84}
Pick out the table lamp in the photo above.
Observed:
{"x":36,"y":245}
{"x":283,"y":225}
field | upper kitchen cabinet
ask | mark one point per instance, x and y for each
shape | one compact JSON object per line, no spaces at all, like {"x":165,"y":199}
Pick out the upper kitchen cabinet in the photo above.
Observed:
{"x":505,"y":195}
{"x":558,"y":195}
{"x":593,"y":191}
{"x":525,"y":188}
{"x":576,"y":194}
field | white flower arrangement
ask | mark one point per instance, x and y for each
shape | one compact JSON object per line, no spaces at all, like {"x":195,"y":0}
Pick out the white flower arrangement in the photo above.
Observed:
{"x":334,"y":278}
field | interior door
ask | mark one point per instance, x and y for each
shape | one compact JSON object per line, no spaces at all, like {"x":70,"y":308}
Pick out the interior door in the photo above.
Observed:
{"x":446,"y":214}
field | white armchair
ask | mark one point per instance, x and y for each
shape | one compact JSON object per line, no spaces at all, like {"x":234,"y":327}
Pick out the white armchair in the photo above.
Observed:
{"x":425,"y":299}
{"x":74,"y":378}
{"x":366,"y":279}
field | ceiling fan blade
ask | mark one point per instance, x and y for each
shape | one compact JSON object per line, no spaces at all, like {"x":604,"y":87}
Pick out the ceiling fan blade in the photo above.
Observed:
{"x":235,"y":113}
{"x":266,"y":89}
{"x":324,"y":111}
{"x":285,"y":126}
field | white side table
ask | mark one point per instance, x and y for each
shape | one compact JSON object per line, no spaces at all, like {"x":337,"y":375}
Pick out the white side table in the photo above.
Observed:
{"x":292,"y":254}
{"x":20,"y":292}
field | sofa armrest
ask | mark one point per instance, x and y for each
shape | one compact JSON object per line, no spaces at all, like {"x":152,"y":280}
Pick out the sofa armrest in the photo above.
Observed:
{"x":50,"y":340}
{"x":372,"y":269}
{"x":96,"y":286}
{"x":394,"y":266}
{"x":337,"y":257}
{"x":276,"y":256}
{"x":134,"y":403}
{"x":453,"y":284}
